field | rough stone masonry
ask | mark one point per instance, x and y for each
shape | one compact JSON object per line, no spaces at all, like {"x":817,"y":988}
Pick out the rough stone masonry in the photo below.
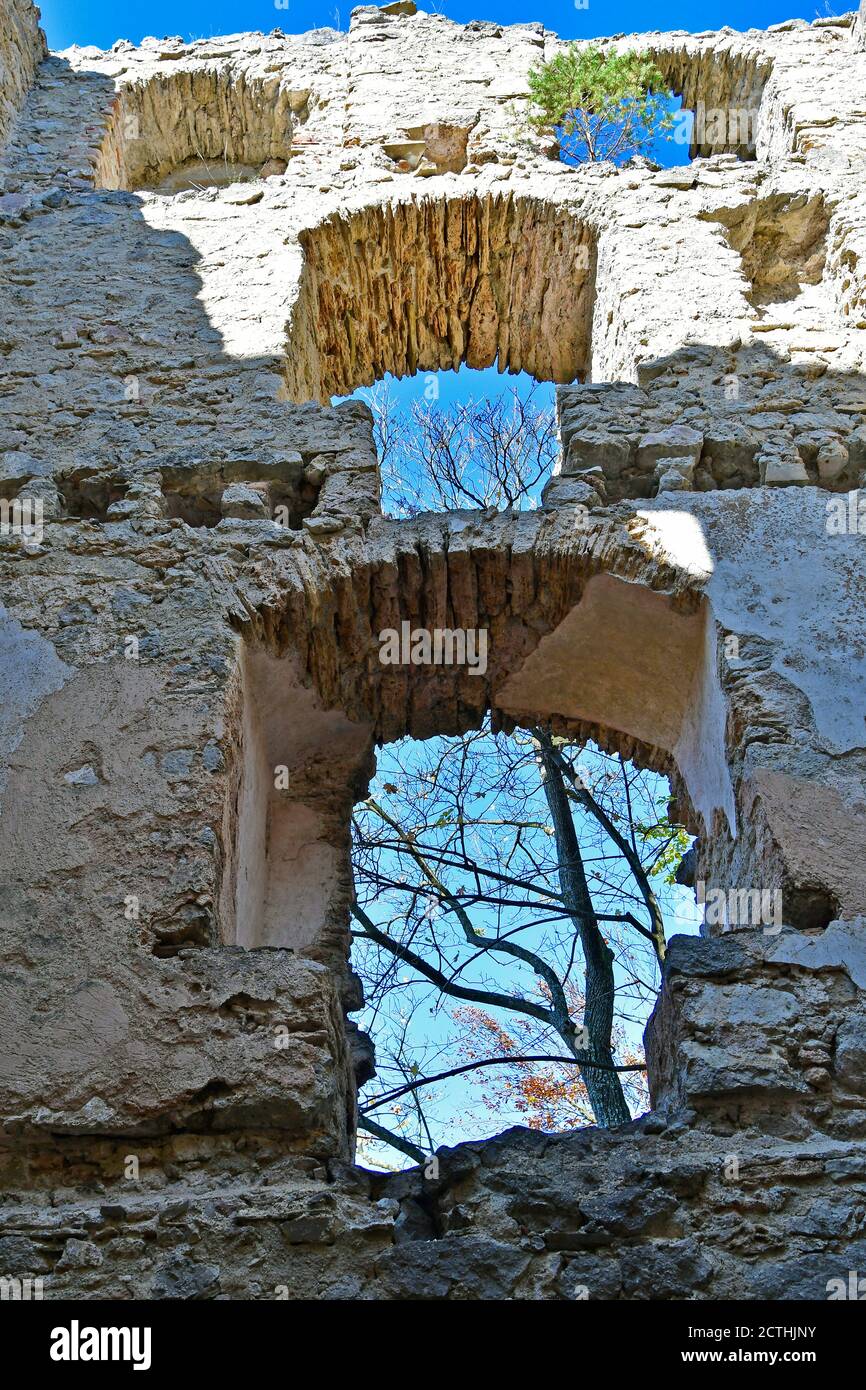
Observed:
{"x":201,"y":244}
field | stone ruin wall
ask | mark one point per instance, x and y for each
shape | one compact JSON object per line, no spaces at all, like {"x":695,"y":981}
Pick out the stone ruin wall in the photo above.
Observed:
{"x":22,"y":49}
{"x":170,"y":338}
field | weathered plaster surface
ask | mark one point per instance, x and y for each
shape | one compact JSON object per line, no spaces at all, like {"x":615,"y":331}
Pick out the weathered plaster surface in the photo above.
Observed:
{"x":30,"y":669}
{"x":841,"y":945}
{"x":776,"y":574}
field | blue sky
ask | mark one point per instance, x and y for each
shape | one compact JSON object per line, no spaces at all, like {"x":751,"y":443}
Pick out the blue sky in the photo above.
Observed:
{"x":447,"y":388}
{"x":100,"y":22}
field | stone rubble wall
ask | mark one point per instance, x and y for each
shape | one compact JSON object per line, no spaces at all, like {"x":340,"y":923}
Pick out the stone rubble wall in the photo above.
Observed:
{"x":761,"y":1203}
{"x":22,"y":48}
{"x":215,"y":567}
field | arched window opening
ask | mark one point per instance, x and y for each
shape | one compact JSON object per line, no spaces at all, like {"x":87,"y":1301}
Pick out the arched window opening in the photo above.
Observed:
{"x":725,"y":102}
{"x":398,"y":653}
{"x":428,"y":284}
{"x":609,"y":102}
{"x":191,"y":130}
{"x":513,"y":895}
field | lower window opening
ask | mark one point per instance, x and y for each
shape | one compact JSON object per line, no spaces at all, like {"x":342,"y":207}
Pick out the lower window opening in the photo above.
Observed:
{"x":513,"y":893}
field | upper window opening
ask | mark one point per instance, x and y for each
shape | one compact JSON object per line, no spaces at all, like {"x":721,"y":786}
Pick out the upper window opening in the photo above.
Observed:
{"x":199,"y":128}
{"x":429,"y":284}
{"x":723,"y":98}
{"x":602,"y":104}
{"x":664,"y":137}
{"x":448,"y":441}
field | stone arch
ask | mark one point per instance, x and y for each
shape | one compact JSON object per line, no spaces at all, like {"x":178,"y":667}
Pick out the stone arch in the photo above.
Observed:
{"x":602,"y":638}
{"x":615,"y":629}
{"x":630,"y":628}
{"x":164,"y":123}
{"x":427,"y":284}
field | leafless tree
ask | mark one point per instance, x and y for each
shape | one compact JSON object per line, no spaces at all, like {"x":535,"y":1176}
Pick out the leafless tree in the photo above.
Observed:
{"x":472,"y":454}
{"x":496,"y":869}
{"x":508,"y":872}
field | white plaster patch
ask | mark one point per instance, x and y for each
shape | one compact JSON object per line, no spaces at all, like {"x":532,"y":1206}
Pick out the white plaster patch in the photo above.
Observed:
{"x":82,"y":777}
{"x":30,"y":670}
{"x":700,"y":751}
{"x":775,"y":572}
{"x":841,"y":946}
{"x":678,"y":538}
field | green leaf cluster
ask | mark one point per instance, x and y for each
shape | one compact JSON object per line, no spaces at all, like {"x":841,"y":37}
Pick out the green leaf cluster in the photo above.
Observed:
{"x":612,"y":104}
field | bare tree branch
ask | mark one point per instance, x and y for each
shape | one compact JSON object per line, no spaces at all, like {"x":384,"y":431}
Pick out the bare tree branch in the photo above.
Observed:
{"x":395,"y":1140}
{"x":492,"y":998}
{"x":390,"y":1096}
{"x":583,"y":796}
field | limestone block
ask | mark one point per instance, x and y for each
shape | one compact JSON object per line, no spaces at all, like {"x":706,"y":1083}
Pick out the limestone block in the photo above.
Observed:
{"x":44,"y":490}
{"x":565,"y":491}
{"x":832,"y":460}
{"x":675,"y":474}
{"x":727,"y":1041}
{"x":850,"y":1062}
{"x":677,"y":441}
{"x":840,"y":946}
{"x":781,"y":465}
{"x":146,"y":499}
{"x":596,"y":449}
{"x":675,"y":178}
{"x":243,"y":502}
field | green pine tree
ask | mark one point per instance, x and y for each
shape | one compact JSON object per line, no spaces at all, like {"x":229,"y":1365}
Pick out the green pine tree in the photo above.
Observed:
{"x":599,"y":105}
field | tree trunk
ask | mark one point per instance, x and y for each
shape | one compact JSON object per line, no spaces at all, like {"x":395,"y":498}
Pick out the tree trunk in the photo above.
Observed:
{"x":603,"y":1087}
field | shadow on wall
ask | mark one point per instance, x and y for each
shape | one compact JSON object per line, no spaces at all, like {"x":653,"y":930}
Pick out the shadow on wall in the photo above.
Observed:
{"x":142,"y":413}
